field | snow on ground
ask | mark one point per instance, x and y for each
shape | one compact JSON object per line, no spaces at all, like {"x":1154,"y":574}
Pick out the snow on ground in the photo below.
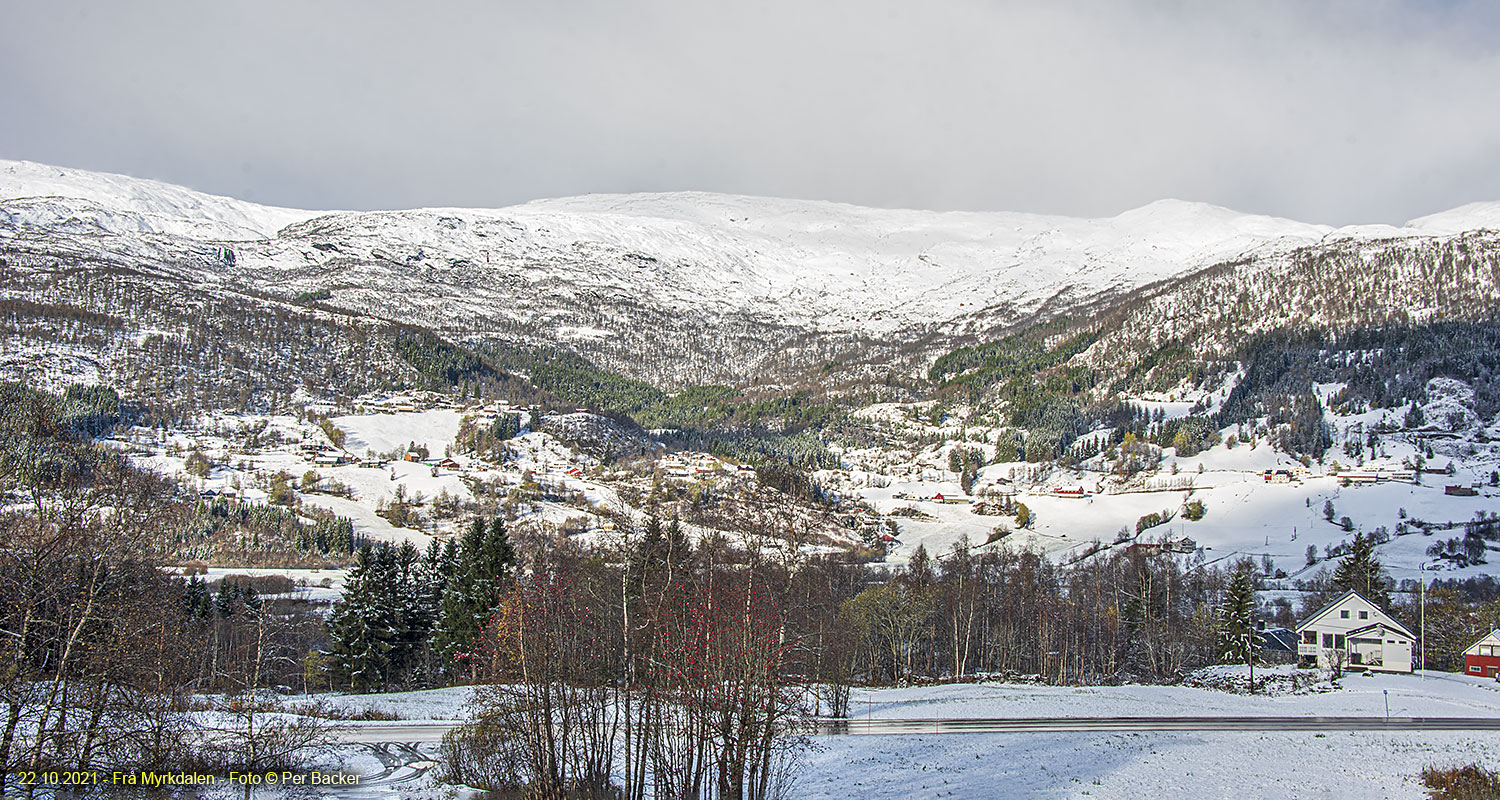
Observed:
{"x":1132,"y":766}
{"x":382,"y":433}
{"x":318,"y":585}
{"x":1126,"y":765}
{"x":431,"y":705}
{"x":828,"y":265}
{"x":1428,"y":694}
{"x":127,"y":204}
{"x":1246,"y":516}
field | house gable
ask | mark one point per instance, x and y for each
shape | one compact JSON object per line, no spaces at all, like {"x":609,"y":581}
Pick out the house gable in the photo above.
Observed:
{"x":1352,"y":602}
{"x":1492,"y":638}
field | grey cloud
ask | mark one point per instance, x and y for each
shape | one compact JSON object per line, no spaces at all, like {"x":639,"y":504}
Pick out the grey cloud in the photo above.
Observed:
{"x":1337,"y":113}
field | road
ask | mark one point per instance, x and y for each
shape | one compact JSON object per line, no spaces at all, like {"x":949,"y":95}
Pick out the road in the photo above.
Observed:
{"x":870,"y":727}
{"x":432,"y":732}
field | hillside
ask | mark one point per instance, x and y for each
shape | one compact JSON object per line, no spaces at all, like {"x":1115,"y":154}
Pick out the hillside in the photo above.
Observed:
{"x":867,"y":355}
{"x":675,"y":288}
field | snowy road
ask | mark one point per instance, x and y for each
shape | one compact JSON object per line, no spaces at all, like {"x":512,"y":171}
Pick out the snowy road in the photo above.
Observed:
{"x":432,"y":732}
{"x":1057,"y":724}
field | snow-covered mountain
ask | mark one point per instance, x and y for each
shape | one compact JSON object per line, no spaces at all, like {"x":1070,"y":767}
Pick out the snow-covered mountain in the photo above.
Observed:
{"x":732,"y":281}
{"x":826,"y":265}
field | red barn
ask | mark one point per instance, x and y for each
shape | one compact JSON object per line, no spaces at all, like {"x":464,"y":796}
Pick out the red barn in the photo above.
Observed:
{"x":1482,"y":659}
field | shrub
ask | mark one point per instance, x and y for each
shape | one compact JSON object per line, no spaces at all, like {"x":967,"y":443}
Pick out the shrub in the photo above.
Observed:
{"x":1194,"y":510}
{"x":1469,"y":782}
{"x":198,"y":464}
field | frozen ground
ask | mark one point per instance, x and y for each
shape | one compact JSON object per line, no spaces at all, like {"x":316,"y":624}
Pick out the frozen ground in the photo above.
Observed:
{"x":1135,"y":766}
{"x":1118,"y":764}
{"x":1436,"y":694}
{"x":1157,"y":764}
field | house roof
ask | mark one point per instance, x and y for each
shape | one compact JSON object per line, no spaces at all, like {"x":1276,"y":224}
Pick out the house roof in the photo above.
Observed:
{"x":1339,"y":601}
{"x":1327,"y":608}
{"x":1495,"y":633}
{"x":1280,"y":639}
{"x":1390,"y":626}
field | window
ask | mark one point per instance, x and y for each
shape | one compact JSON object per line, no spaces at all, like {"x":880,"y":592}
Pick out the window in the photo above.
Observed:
{"x":1338,"y":641}
{"x":1486,"y":650}
{"x":1364,"y":615}
{"x":1473,"y":669}
{"x":1328,"y":640}
{"x":1344,"y":614}
{"x":1309,"y":637}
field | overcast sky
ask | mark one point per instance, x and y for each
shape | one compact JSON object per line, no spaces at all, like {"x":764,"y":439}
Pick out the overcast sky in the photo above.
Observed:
{"x":1350,"y":112}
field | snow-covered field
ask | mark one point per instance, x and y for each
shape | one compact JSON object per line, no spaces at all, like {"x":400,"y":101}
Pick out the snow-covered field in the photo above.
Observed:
{"x":1246,"y":516}
{"x":1127,"y":765}
{"x":1153,"y":764}
{"x":1134,"y":766}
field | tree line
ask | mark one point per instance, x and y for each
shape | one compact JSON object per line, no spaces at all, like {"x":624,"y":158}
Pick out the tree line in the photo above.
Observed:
{"x":105,"y":655}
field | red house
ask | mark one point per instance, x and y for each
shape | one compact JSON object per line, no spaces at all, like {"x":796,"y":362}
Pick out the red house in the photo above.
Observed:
{"x":1482,"y":659}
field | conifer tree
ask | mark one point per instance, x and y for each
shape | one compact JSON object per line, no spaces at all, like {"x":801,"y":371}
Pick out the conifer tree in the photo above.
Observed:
{"x":403,"y":597}
{"x":484,"y":564}
{"x":360,"y":627}
{"x":1237,"y":638}
{"x":197,"y":598}
{"x":1363,"y":573}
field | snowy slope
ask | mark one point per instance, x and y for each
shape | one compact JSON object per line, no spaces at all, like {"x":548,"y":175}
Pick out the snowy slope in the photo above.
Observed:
{"x":810,"y":265}
{"x":124,"y":205}
{"x":1469,"y":217}
{"x":675,"y":288}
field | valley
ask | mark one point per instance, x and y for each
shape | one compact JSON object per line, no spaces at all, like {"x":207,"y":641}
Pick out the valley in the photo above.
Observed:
{"x":808,"y":452}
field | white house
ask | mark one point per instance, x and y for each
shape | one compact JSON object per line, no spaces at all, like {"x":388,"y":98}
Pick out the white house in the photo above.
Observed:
{"x":1355,"y":632}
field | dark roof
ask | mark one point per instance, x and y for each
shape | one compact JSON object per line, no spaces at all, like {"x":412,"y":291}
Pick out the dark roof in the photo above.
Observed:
{"x":1279,"y":639}
{"x":1326,"y":608}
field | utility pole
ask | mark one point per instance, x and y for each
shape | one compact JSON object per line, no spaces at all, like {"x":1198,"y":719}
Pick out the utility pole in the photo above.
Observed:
{"x":1250,"y":657}
{"x":1423,"y":571}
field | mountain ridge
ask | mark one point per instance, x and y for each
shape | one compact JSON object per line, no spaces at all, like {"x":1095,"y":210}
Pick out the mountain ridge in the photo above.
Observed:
{"x":831,"y":267}
{"x":674,"y":288}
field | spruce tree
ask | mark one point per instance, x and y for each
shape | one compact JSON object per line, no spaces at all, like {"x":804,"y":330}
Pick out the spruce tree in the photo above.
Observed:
{"x":410,"y":625}
{"x":1363,"y":573}
{"x":1237,"y":638}
{"x":485,"y":561}
{"x":197,"y":598}
{"x":359,"y":626}
{"x":679,"y":549}
{"x":649,"y":553}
